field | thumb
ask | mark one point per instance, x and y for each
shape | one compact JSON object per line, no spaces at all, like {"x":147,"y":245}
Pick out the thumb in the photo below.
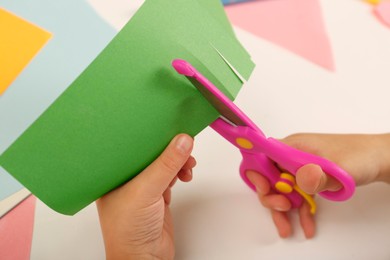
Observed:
{"x":311,"y":179}
{"x":156,"y":178}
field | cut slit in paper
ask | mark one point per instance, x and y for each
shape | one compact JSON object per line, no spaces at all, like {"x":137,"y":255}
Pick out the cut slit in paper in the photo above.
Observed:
{"x":382,"y":11}
{"x":20,"y":42}
{"x":296,"y":25}
{"x":238,"y":74}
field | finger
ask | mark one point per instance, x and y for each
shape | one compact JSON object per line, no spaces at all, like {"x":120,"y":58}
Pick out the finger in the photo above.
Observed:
{"x":185,"y":175}
{"x":307,"y":220}
{"x":272,"y":201}
{"x":259,"y":181}
{"x":282,"y":223}
{"x":155,"y":179}
{"x":167,"y":195}
{"x":311,"y":179}
{"x":276,"y":202}
{"x":190,"y":163}
{"x":172,"y":182}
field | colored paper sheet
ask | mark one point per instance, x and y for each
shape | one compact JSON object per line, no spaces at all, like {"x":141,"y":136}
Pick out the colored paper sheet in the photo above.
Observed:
{"x":296,"y":25}
{"x":20,"y":42}
{"x":382,"y":11}
{"x":75,"y":44}
{"x":122,"y":111}
{"x":16,"y":229}
{"x":12,"y":201}
{"x":8,"y":184}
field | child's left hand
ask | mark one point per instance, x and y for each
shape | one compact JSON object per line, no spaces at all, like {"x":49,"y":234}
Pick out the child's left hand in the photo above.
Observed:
{"x":135,"y":218}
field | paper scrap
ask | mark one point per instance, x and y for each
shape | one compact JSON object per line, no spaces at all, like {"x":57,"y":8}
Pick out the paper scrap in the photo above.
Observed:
{"x":20,"y":42}
{"x":16,"y":229}
{"x":296,"y":25}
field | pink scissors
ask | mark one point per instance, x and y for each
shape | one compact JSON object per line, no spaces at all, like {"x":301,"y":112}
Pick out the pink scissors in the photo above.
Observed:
{"x":262,"y":154}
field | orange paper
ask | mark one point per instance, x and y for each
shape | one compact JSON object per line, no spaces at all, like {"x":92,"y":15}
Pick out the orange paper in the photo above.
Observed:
{"x":296,"y":25}
{"x":16,"y":230}
{"x":20,"y":42}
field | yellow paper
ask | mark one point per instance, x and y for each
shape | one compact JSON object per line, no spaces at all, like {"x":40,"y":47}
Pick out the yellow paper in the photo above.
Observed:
{"x":20,"y":42}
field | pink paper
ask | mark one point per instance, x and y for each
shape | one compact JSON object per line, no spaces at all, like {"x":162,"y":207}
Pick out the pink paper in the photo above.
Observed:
{"x":382,"y":11}
{"x":16,"y":230}
{"x":296,"y":25}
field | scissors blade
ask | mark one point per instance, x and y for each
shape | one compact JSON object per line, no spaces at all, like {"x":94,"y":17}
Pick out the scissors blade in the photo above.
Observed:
{"x":227,"y":109}
{"x":226,"y":112}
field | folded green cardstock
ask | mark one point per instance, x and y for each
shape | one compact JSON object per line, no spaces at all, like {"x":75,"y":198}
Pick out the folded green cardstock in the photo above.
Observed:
{"x":123,"y":110}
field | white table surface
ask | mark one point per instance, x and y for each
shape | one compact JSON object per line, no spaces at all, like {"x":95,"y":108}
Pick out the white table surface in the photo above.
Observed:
{"x":216,"y":216}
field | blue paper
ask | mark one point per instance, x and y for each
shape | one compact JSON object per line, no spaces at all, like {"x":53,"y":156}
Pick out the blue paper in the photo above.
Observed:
{"x":56,"y":65}
{"x":8,"y":185}
{"x":52,"y":70}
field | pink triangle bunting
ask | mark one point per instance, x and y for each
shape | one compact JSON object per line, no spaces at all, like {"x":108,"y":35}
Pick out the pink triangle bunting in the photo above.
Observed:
{"x":16,"y":230}
{"x":296,"y":25}
{"x":382,"y":11}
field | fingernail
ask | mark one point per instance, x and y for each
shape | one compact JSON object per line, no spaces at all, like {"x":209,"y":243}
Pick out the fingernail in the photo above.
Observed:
{"x":320,"y":183}
{"x":189,"y":172}
{"x":250,"y":178}
{"x":258,"y":190}
{"x":278,"y":209}
{"x":184,"y":143}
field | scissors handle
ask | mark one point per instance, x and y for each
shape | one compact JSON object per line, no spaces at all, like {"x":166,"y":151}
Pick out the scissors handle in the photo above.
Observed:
{"x":261,"y":151}
{"x":292,"y":159}
{"x":251,"y":142}
{"x":261,"y":164}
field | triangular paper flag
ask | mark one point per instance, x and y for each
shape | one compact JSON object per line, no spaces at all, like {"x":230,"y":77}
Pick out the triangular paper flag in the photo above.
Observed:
{"x":16,"y":230}
{"x":382,"y":11}
{"x":20,"y":42}
{"x":296,"y":25}
{"x":7,"y":204}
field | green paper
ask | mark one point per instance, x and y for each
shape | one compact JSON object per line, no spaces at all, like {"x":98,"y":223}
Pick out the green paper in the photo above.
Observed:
{"x":123,"y":110}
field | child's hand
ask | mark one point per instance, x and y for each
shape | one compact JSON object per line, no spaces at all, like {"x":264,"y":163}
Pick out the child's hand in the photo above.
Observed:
{"x":365,"y":157}
{"x":135,"y":218}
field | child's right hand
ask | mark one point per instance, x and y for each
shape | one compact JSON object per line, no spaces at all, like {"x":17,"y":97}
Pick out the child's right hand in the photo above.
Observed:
{"x":365,"y":157}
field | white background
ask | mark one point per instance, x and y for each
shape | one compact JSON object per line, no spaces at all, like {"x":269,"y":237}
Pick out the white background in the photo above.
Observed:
{"x":216,"y":216}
